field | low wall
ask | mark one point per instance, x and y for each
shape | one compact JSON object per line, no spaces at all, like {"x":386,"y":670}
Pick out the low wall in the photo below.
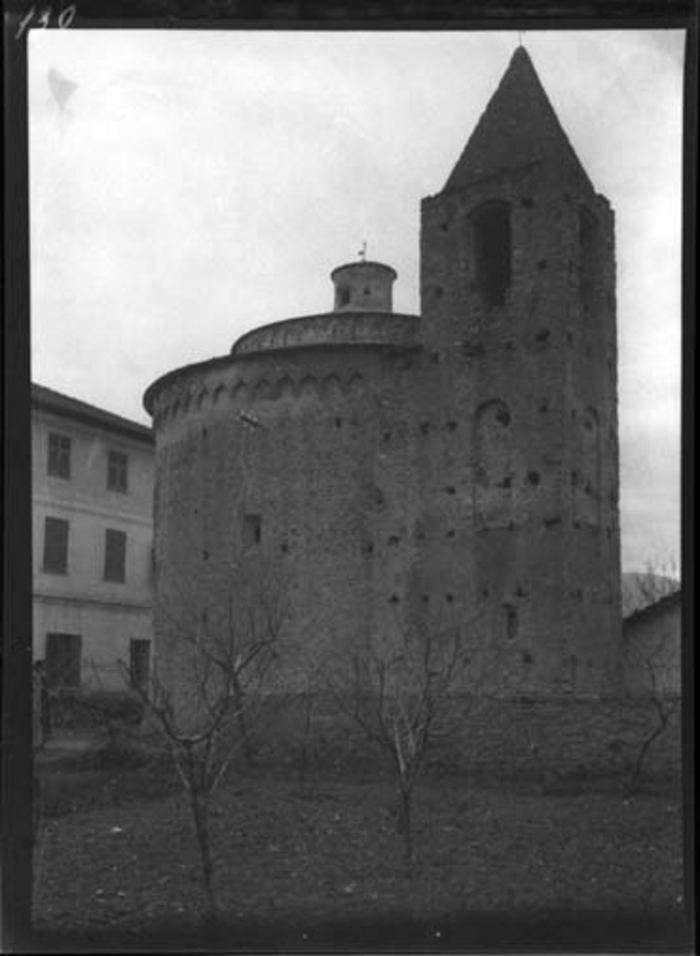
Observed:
{"x":543,"y":738}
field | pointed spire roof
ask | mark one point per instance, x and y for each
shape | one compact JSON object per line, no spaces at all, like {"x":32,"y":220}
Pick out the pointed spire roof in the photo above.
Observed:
{"x":518,"y":126}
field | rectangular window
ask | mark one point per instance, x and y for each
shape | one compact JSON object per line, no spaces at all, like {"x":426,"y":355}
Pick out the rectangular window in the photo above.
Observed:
{"x":59,"y":455}
{"x":55,"y":546}
{"x":140,"y":664}
{"x":63,"y":660}
{"x":118,"y":472}
{"x":252,"y":530}
{"x":115,"y":555}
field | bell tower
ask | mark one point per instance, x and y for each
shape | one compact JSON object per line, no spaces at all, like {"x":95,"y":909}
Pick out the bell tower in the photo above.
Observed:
{"x":519,"y":337}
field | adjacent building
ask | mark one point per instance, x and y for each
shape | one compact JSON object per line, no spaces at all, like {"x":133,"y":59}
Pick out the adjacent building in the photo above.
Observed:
{"x":653,"y":647}
{"x":92,"y":487}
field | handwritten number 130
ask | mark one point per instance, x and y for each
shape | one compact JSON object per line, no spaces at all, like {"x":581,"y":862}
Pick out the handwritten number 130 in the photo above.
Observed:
{"x":43,"y":19}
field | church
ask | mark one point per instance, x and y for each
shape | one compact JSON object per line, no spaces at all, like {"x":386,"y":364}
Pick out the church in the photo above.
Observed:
{"x":460,"y":465}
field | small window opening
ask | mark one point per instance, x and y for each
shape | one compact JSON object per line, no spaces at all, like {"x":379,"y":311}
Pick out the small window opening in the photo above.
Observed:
{"x":526,"y":657}
{"x":339,"y":423}
{"x":452,"y":426}
{"x":511,"y":622}
{"x":252,"y":530}
{"x":439,"y":291}
{"x":451,"y":533}
{"x":573,"y":665}
{"x":492,"y":247}
{"x":425,"y":428}
{"x":533,"y":477}
{"x":542,"y":336}
{"x":449,"y":598}
{"x":343,"y":295}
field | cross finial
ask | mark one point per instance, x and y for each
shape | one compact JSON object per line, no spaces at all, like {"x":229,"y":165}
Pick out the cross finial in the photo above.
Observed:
{"x":363,"y":251}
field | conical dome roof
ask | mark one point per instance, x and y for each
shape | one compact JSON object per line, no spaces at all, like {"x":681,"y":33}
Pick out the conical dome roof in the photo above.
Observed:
{"x":518,"y":126}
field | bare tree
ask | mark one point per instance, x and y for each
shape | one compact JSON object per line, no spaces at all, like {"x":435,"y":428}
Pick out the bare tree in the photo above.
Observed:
{"x":206,"y":721}
{"x":652,"y":659}
{"x":401,"y":694}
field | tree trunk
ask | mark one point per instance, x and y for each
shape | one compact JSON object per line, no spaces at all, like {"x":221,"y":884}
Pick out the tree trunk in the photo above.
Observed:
{"x":201,"y":824}
{"x":642,"y":755}
{"x":403,"y":822}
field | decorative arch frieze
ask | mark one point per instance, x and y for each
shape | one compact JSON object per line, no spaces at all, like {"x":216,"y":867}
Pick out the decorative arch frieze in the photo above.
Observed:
{"x":218,"y":393}
{"x":240,"y":391}
{"x":261,"y":389}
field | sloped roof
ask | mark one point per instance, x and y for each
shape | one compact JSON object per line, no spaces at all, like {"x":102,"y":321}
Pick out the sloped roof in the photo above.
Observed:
{"x":518,"y":127}
{"x":46,"y":399}
{"x":664,"y":603}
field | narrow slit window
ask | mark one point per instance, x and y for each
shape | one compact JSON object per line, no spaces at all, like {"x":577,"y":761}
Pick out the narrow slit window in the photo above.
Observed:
{"x":252,"y":531}
{"x":492,"y":253}
{"x":511,"y":622}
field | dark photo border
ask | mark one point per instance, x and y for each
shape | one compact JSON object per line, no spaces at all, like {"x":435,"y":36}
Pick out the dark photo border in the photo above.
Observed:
{"x":17,"y":773}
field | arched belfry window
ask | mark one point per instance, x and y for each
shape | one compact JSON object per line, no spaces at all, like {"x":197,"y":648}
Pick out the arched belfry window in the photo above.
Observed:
{"x":492,"y":252}
{"x":589,"y":256}
{"x":492,"y":465}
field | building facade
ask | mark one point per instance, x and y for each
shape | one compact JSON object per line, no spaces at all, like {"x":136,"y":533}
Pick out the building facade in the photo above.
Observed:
{"x":652,"y":647}
{"x":92,"y":486}
{"x":457,"y":466}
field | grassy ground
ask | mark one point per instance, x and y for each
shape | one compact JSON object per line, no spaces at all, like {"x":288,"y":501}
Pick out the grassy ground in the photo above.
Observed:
{"x":320,"y":864}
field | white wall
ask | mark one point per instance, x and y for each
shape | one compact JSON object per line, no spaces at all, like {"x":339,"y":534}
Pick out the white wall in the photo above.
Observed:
{"x":106,"y":614}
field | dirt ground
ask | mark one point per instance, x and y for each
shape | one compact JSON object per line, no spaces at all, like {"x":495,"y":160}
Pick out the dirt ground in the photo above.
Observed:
{"x":116,"y":859}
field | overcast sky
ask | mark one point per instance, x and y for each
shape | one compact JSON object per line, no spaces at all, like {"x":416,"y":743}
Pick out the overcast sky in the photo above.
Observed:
{"x":188,"y":186}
